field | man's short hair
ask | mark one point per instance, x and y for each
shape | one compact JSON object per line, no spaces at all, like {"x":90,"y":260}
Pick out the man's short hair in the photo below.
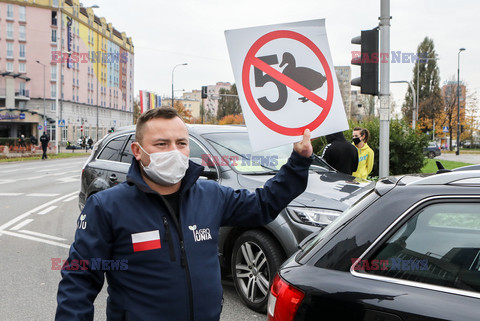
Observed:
{"x":162,"y":112}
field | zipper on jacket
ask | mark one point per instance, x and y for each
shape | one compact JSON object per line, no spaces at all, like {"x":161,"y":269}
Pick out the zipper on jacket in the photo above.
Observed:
{"x":169,"y":240}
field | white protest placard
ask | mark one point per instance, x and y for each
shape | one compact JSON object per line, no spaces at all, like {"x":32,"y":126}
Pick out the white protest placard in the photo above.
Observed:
{"x":286,"y":82}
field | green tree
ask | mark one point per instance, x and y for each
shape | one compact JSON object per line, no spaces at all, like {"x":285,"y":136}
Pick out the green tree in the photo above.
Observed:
{"x":228,"y":103}
{"x":427,"y":75}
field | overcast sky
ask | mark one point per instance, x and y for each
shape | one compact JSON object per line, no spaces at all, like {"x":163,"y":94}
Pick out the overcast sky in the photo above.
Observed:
{"x":167,"y":33}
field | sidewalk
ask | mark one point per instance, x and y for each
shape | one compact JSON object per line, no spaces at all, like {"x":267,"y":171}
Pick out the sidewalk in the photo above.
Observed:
{"x":463,"y":157}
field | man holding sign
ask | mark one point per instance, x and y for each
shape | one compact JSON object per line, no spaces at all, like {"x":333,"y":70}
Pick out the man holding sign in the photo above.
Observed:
{"x":162,"y":225}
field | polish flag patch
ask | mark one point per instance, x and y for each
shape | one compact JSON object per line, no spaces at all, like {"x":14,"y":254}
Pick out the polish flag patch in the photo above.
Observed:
{"x":146,"y":241}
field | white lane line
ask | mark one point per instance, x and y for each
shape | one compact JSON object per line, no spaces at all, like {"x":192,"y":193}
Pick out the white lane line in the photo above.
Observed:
{"x":34,"y":177}
{"x":9,"y":171}
{"x":6,"y":181}
{"x":46,"y":236}
{"x":49,"y":209}
{"x":21,"y":224}
{"x":11,"y":194}
{"x":43,"y":194}
{"x":71,"y":198}
{"x":33,"y":238}
{"x":67,"y":179}
{"x":38,"y":208}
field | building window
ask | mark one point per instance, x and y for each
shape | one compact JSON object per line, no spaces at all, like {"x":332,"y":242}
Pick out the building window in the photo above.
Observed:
{"x":9,"y":11}
{"x":9,"y":30}
{"x":54,"y":18}
{"x":53,"y":91}
{"x":54,"y":35}
{"x":22,"y":54}
{"x":22,"y":14}
{"x":53,"y":106}
{"x":9,"y":50}
{"x":55,"y":3}
{"x":22,"y":34}
{"x":22,"y":67}
{"x":22,"y":90}
{"x":10,"y":66}
{"x":53,"y":72}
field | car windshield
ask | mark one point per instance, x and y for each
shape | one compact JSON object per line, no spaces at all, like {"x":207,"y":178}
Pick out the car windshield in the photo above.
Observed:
{"x":235,"y":149}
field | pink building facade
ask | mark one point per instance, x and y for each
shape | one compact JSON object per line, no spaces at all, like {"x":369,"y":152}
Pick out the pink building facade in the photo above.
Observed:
{"x":63,"y":66}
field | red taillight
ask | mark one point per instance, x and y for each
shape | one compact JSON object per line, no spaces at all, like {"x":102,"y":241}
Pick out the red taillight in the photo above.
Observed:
{"x":283,"y":300}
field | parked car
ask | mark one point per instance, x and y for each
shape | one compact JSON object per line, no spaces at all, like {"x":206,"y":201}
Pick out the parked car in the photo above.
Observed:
{"x":408,"y":250}
{"x":432,"y":150}
{"x":225,"y":153}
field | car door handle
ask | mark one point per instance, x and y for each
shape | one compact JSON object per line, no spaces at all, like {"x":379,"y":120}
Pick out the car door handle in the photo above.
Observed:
{"x":113,"y":178}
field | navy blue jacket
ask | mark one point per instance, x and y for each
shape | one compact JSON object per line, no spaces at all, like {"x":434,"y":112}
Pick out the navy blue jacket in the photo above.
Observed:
{"x":179,"y":278}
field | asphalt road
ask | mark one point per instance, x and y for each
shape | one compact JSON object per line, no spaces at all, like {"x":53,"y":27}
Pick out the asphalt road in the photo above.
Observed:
{"x":463,"y":157}
{"x":38,"y":215}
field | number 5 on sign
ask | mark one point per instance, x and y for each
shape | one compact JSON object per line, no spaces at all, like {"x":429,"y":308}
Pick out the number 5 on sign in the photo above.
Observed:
{"x":286,"y":82}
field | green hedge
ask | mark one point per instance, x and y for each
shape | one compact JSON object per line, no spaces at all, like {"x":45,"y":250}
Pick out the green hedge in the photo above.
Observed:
{"x":406,"y":146}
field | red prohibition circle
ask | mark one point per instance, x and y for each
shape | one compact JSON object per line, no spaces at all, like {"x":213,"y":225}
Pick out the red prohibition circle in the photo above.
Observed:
{"x":248,"y":63}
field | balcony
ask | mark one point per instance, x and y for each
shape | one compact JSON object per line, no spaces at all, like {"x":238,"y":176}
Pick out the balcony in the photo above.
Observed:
{"x":22,"y":94}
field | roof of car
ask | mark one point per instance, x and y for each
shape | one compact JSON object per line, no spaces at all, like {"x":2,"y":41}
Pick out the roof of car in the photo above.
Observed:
{"x":465,"y":178}
{"x":197,"y":128}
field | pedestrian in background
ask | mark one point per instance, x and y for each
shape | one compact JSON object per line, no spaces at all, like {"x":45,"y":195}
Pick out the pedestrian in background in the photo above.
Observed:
{"x":340,"y":154}
{"x":44,"y":139}
{"x":366,"y":156}
{"x":151,"y":220}
{"x":33,"y":141}
{"x":21,"y":143}
{"x":90,"y":142}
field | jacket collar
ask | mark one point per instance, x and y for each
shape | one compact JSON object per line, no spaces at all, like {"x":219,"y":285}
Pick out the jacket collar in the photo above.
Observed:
{"x":134,"y":176}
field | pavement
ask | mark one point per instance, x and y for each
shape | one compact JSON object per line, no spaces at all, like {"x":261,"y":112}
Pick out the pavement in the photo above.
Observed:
{"x":469,"y":158}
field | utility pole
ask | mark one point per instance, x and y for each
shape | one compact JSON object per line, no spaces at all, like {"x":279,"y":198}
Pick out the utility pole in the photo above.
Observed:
{"x":384,"y":94}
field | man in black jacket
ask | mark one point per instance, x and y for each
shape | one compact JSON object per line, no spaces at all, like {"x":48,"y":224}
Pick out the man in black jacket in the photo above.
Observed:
{"x":340,"y":154}
{"x":44,"y":139}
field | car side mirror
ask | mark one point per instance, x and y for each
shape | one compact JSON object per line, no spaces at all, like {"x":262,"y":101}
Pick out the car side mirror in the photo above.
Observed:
{"x":208,"y":172}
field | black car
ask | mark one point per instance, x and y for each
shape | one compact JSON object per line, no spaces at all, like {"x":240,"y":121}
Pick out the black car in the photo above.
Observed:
{"x":250,"y":255}
{"x":432,"y":150}
{"x":409,"y":249}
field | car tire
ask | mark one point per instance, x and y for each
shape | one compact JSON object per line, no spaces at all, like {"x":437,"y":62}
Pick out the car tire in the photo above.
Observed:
{"x":431,"y":155}
{"x":256,"y":257}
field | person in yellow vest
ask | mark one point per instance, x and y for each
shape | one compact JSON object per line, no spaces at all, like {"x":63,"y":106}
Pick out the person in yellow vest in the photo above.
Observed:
{"x":365,"y":153}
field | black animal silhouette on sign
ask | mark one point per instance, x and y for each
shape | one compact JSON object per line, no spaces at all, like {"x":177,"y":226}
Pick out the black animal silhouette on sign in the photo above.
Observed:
{"x":306,"y":77}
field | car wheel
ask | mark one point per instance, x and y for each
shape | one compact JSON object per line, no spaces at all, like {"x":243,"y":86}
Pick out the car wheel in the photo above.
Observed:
{"x":256,"y":258}
{"x":431,"y":155}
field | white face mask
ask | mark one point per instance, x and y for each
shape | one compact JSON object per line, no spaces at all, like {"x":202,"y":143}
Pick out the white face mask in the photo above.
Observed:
{"x":166,"y":168}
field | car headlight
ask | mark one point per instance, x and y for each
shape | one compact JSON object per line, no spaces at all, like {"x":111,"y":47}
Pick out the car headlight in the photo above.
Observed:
{"x":312,"y":216}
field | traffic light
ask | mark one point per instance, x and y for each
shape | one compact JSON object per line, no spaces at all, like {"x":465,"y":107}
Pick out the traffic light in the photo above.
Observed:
{"x":204,"y":92}
{"x":368,"y":60}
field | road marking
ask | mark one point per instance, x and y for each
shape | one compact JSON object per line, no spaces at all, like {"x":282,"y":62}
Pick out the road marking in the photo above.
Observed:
{"x":45,"y":211}
{"x":21,"y":224}
{"x":6,"y":181}
{"x":11,"y":194}
{"x":33,"y":238}
{"x":70,"y":199}
{"x":9,"y":171}
{"x":68,"y":179}
{"x":38,"y":208}
{"x":34,"y":177}
{"x":43,"y":235}
{"x":43,"y":194}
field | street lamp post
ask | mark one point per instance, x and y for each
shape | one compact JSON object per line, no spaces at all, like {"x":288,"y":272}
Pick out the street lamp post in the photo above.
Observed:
{"x":458,"y":103}
{"x":184,"y":64}
{"x":44,"y":109}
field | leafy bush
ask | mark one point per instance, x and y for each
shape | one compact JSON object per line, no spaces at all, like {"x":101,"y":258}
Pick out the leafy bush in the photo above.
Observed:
{"x":406,"y":146}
